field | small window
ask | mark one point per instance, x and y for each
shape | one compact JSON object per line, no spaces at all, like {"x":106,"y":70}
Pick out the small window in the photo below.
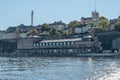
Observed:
{"x":57,"y":43}
{"x":50,"y":44}
{"x":72,"y":43}
{"x":53,"y":44}
{"x":34,"y":44}
{"x":64,"y":43}
{"x":46,"y":44}
{"x":60,"y":43}
{"x":37,"y":44}
{"x":68,"y":43}
{"x":40,"y":44}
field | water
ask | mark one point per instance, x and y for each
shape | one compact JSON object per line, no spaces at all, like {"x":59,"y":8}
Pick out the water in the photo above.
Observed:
{"x":68,"y":68}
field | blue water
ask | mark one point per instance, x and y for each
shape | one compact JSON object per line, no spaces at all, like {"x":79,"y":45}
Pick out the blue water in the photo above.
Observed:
{"x":67,"y":68}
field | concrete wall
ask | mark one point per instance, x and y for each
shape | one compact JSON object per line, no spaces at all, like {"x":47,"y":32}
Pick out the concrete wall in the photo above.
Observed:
{"x":116,"y":43}
{"x":26,"y":43}
{"x":4,"y":35}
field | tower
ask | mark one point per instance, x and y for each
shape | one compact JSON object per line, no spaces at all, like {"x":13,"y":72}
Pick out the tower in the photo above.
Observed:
{"x":95,"y":15}
{"x":32,"y":13}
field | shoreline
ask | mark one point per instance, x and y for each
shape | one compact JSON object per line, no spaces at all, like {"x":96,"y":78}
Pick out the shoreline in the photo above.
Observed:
{"x":18,"y":54}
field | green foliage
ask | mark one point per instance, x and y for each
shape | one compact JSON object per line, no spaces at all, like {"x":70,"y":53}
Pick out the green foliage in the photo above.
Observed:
{"x":117,"y":26}
{"x":91,"y":23}
{"x":103,"y":23}
{"x":72,"y":26}
{"x":45,"y":27}
{"x":53,"y":31}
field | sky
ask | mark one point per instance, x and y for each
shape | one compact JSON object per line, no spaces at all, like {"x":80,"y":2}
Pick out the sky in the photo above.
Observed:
{"x":16,"y":12}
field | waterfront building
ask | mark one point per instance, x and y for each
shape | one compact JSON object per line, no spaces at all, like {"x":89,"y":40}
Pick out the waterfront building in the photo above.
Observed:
{"x":68,"y":47}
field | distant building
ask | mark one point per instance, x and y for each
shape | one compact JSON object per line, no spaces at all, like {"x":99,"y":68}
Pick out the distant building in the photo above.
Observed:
{"x":82,"y":28}
{"x":95,"y":17}
{"x":113,"y":21}
{"x":4,"y":35}
{"x":58,"y":25}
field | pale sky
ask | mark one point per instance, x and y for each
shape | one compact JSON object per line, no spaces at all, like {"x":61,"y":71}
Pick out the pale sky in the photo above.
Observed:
{"x":16,"y":12}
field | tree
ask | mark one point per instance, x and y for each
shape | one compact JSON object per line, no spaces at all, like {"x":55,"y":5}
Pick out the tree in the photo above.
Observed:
{"x":117,"y":26}
{"x":53,"y":31}
{"x":91,"y":23}
{"x":72,"y":26}
{"x":33,"y":32}
{"x":45,"y":27}
{"x":103,"y":23}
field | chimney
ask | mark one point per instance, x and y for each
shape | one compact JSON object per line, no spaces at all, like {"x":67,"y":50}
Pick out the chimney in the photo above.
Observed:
{"x":32,"y":13}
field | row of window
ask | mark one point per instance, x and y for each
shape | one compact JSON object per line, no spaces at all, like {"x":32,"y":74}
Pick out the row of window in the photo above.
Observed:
{"x":53,"y":44}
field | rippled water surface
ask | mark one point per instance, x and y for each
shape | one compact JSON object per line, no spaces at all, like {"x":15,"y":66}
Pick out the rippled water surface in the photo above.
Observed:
{"x":67,"y":68}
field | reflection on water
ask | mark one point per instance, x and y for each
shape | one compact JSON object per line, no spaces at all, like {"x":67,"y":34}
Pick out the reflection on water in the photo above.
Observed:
{"x":68,"y":68}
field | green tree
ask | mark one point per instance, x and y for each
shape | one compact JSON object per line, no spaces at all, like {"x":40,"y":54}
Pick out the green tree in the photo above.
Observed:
{"x":103,"y":23}
{"x":72,"y":26}
{"x":45,"y":27}
{"x":91,"y":23}
{"x":117,"y":26}
{"x":53,"y":31}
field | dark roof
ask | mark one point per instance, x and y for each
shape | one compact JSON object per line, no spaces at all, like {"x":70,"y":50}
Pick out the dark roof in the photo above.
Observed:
{"x":58,"y":23}
{"x":88,"y":18}
{"x":81,"y":25}
{"x":11,"y":29}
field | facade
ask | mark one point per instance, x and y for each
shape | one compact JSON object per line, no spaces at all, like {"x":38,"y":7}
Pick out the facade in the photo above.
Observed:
{"x":94,"y":17}
{"x":4,"y":35}
{"x":81,"y":29}
{"x":58,"y":25}
{"x":59,"y":47}
{"x":115,"y":44}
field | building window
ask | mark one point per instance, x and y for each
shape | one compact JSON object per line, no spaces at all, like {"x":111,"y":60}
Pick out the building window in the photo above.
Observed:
{"x":34,"y":44}
{"x":40,"y":44}
{"x":37,"y":44}
{"x":50,"y":44}
{"x":46,"y":44}
{"x":72,"y":43}
{"x":53,"y":44}
{"x":57,"y":43}
{"x":60,"y":43}
{"x":64,"y":43}
{"x":68,"y":43}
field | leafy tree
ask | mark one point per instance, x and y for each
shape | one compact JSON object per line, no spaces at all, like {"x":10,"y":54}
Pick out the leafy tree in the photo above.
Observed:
{"x":103,"y":23}
{"x":117,"y":26}
{"x":53,"y":31}
{"x":72,"y":26}
{"x":33,"y":32}
{"x":45,"y":27}
{"x":91,"y":23}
